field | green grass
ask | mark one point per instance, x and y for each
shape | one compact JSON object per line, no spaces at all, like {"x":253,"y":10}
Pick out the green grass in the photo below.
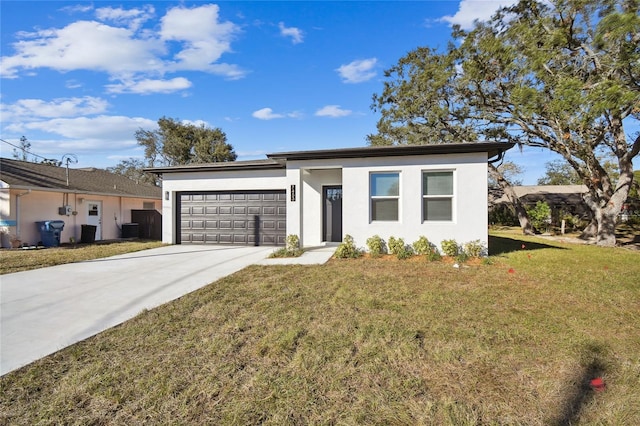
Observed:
{"x":17,"y":260}
{"x":365,"y":341}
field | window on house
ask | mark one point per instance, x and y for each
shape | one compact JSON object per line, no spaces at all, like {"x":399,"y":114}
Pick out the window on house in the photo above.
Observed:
{"x":148,"y":205}
{"x":437,"y":196}
{"x":385,"y":196}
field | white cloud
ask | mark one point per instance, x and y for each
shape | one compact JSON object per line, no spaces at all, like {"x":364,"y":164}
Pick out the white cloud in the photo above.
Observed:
{"x":148,"y":86}
{"x":32,"y":109}
{"x":132,"y":18}
{"x":105,"y":128}
{"x":333,"y":111}
{"x":296,"y":34}
{"x":358,"y":71}
{"x":266,"y":114}
{"x":87,"y":45}
{"x":186,"y":39}
{"x":77,"y":9}
{"x":472,"y":10}
{"x":204,"y":39}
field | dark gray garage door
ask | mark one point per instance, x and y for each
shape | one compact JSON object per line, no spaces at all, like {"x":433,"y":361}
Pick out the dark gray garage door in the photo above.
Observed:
{"x":237,"y":217}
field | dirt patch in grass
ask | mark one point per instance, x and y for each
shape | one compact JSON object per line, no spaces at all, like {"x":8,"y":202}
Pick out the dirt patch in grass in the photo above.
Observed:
{"x":364,"y":341}
{"x":16,"y":260}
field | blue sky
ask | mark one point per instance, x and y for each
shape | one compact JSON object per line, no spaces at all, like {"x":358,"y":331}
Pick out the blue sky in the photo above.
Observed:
{"x":81,"y":77}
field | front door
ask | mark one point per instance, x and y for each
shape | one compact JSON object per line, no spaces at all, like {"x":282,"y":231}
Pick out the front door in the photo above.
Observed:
{"x":94,"y":216}
{"x":332,"y":214}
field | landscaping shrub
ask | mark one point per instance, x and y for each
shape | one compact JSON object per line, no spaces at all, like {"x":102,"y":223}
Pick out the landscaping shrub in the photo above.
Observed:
{"x":376,"y":245}
{"x":291,"y":248}
{"x":540,"y":216}
{"x":347,"y":249}
{"x":422,"y":245}
{"x":395,"y":245}
{"x":434,"y":255}
{"x":450,"y":247}
{"x":405,"y":252}
{"x":474,"y":248}
{"x":293,"y":242}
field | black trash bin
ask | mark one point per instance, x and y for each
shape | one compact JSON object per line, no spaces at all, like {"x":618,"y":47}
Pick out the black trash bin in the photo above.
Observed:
{"x":50,"y":231}
{"x":130,"y":230}
{"x":88,"y":234}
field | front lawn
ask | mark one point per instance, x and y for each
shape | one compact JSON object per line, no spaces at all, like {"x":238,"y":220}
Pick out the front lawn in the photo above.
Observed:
{"x":365,"y":341}
{"x":16,"y":260}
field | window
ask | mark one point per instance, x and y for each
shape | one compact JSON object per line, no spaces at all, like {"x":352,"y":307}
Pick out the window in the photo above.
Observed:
{"x":385,"y":194}
{"x":437,"y":196}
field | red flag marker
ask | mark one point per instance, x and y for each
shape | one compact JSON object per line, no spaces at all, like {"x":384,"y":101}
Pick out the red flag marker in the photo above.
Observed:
{"x":511,"y":271}
{"x":598,"y":384}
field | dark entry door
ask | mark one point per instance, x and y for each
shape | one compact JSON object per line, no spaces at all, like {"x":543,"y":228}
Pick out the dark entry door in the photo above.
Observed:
{"x":332,"y":213}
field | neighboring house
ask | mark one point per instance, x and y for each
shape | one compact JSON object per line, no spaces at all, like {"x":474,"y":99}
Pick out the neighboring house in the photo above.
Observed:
{"x":563,"y":199}
{"x":439,"y":191}
{"x":33,"y":192}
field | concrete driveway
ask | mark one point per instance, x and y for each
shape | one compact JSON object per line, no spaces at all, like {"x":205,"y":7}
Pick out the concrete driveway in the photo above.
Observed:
{"x":45,"y":310}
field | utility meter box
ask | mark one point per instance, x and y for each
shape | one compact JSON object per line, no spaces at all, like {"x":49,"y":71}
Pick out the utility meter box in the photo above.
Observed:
{"x":65,"y":211}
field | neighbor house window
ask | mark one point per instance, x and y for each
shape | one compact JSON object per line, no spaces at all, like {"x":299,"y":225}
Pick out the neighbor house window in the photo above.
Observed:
{"x":437,"y":196}
{"x":385,"y":196}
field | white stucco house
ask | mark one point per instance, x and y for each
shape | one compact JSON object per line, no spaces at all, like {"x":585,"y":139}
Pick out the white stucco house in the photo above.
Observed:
{"x":439,"y":191}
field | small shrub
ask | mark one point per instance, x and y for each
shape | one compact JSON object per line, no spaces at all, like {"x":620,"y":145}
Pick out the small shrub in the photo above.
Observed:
{"x":474,"y":249}
{"x":450,"y":247}
{"x":462,"y":257}
{"x":291,"y":248}
{"x":422,"y":246}
{"x":434,"y":255}
{"x":293,"y":242}
{"x":405,"y":252}
{"x":540,"y":216}
{"x":376,"y":246}
{"x":347,"y":249}
{"x":395,"y":245}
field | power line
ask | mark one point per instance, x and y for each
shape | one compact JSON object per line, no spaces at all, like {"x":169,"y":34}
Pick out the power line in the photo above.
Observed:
{"x":24,"y":150}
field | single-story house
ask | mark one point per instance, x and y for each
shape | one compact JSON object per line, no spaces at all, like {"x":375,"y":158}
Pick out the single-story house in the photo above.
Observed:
{"x":35,"y":192}
{"x":563,"y":199}
{"x":439,"y":191}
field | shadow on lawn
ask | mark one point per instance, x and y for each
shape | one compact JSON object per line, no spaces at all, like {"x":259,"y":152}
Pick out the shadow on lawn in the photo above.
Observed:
{"x":581,"y":390}
{"x":500,"y":245}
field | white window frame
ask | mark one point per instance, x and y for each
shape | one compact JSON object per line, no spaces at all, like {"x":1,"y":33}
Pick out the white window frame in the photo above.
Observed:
{"x":450,"y":197}
{"x":383,"y":197}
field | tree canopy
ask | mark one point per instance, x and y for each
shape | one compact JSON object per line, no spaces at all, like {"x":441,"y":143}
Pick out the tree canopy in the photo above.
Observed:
{"x":175,"y":143}
{"x":563,"y":75}
{"x":559,"y":172}
{"x":133,"y":168}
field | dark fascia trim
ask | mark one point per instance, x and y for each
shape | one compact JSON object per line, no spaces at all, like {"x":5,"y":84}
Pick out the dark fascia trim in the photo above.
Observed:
{"x":492,"y":148}
{"x":268,"y":164}
{"x":278,"y":160}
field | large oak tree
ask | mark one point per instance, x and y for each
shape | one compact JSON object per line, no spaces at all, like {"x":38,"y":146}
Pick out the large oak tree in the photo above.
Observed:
{"x":563,"y":75}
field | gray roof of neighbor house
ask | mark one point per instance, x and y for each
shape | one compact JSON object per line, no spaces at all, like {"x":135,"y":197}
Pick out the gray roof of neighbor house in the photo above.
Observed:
{"x":27,"y":175}
{"x":278,"y":160}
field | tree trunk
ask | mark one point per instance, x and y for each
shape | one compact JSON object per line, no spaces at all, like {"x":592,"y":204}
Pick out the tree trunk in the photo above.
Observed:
{"x":521,"y":212}
{"x":605,"y":211}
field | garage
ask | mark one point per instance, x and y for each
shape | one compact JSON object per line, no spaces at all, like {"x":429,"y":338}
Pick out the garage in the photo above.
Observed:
{"x":232,"y":217}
